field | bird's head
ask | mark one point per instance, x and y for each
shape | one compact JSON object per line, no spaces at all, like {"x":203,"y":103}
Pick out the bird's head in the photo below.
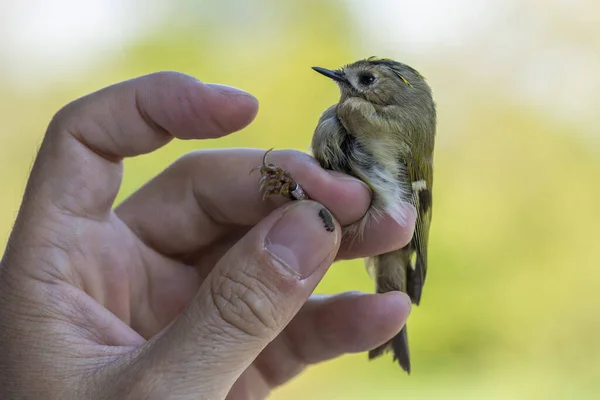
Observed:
{"x":381,"y":81}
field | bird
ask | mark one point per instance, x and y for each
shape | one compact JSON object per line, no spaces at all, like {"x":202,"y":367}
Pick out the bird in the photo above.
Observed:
{"x":381,"y":131}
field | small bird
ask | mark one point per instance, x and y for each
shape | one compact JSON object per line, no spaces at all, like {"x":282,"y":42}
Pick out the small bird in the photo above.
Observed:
{"x":381,"y":131}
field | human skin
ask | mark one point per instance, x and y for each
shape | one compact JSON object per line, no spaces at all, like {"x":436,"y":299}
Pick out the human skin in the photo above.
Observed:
{"x":193,"y":287}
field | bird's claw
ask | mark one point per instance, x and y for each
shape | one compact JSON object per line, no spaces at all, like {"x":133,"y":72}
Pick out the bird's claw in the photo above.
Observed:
{"x":277,"y":181}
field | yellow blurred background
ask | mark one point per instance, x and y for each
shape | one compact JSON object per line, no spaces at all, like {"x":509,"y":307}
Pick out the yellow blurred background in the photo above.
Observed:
{"x":511,"y":304}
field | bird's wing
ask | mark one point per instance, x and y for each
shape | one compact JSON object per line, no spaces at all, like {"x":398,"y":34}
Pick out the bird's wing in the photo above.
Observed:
{"x":330,"y":142}
{"x":421,"y":181}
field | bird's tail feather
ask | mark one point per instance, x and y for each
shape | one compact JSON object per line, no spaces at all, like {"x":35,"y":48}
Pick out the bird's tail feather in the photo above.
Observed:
{"x":399,"y":346}
{"x":390,"y":272}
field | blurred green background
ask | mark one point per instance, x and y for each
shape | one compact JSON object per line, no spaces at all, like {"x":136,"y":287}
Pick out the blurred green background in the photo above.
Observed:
{"x":510,"y":307}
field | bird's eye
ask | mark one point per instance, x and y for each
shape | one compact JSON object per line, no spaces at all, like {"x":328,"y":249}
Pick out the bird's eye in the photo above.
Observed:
{"x":366,"y":79}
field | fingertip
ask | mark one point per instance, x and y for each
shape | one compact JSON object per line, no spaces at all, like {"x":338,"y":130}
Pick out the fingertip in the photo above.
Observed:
{"x":406,"y":218}
{"x":390,"y":309}
{"x":348,"y":187}
{"x":214,"y":110}
{"x":387,"y":315}
{"x":381,"y":235}
{"x":227,"y":90}
{"x":365,"y":320}
{"x":244,"y":105}
{"x":347,"y":197}
{"x":303,"y":238}
{"x":190,"y":109}
{"x":399,"y":302}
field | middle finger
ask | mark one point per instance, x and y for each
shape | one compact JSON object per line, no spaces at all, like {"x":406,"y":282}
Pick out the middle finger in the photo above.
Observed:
{"x":205,"y":194}
{"x":209,"y":197}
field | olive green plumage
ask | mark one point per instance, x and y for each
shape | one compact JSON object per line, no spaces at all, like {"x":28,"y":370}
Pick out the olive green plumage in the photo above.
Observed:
{"x":382,"y":131}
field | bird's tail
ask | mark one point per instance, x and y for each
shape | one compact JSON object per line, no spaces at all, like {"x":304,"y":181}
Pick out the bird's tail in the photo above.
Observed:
{"x":390,"y":272}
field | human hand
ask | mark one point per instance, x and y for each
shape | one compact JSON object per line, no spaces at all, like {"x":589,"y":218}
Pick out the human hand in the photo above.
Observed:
{"x":193,"y":287}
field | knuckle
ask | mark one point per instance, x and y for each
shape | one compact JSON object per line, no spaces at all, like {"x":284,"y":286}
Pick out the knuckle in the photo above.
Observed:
{"x":70,"y":119}
{"x":63,"y":116}
{"x":196,"y":160}
{"x":246,"y":304}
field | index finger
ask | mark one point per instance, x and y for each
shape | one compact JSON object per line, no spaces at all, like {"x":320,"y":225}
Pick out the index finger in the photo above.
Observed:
{"x":78,"y":169}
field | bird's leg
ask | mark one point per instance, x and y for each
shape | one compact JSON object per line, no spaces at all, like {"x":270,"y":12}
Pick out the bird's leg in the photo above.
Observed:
{"x":277,"y":181}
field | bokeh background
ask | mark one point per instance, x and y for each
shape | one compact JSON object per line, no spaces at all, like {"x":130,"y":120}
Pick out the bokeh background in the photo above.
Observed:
{"x":511,"y":304}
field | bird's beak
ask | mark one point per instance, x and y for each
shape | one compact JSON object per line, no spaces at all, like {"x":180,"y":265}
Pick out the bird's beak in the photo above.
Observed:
{"x":337,"y":76}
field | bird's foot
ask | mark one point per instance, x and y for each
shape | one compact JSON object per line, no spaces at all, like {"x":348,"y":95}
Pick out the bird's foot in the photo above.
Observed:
{"x":277,"y":181}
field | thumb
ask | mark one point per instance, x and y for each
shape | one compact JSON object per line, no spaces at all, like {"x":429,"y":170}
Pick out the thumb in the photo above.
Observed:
{"x":248,"y":299}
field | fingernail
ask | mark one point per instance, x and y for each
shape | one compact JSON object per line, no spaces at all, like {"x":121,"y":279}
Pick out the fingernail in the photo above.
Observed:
{"x":230,"y":90}
{"x":303,"y":238}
